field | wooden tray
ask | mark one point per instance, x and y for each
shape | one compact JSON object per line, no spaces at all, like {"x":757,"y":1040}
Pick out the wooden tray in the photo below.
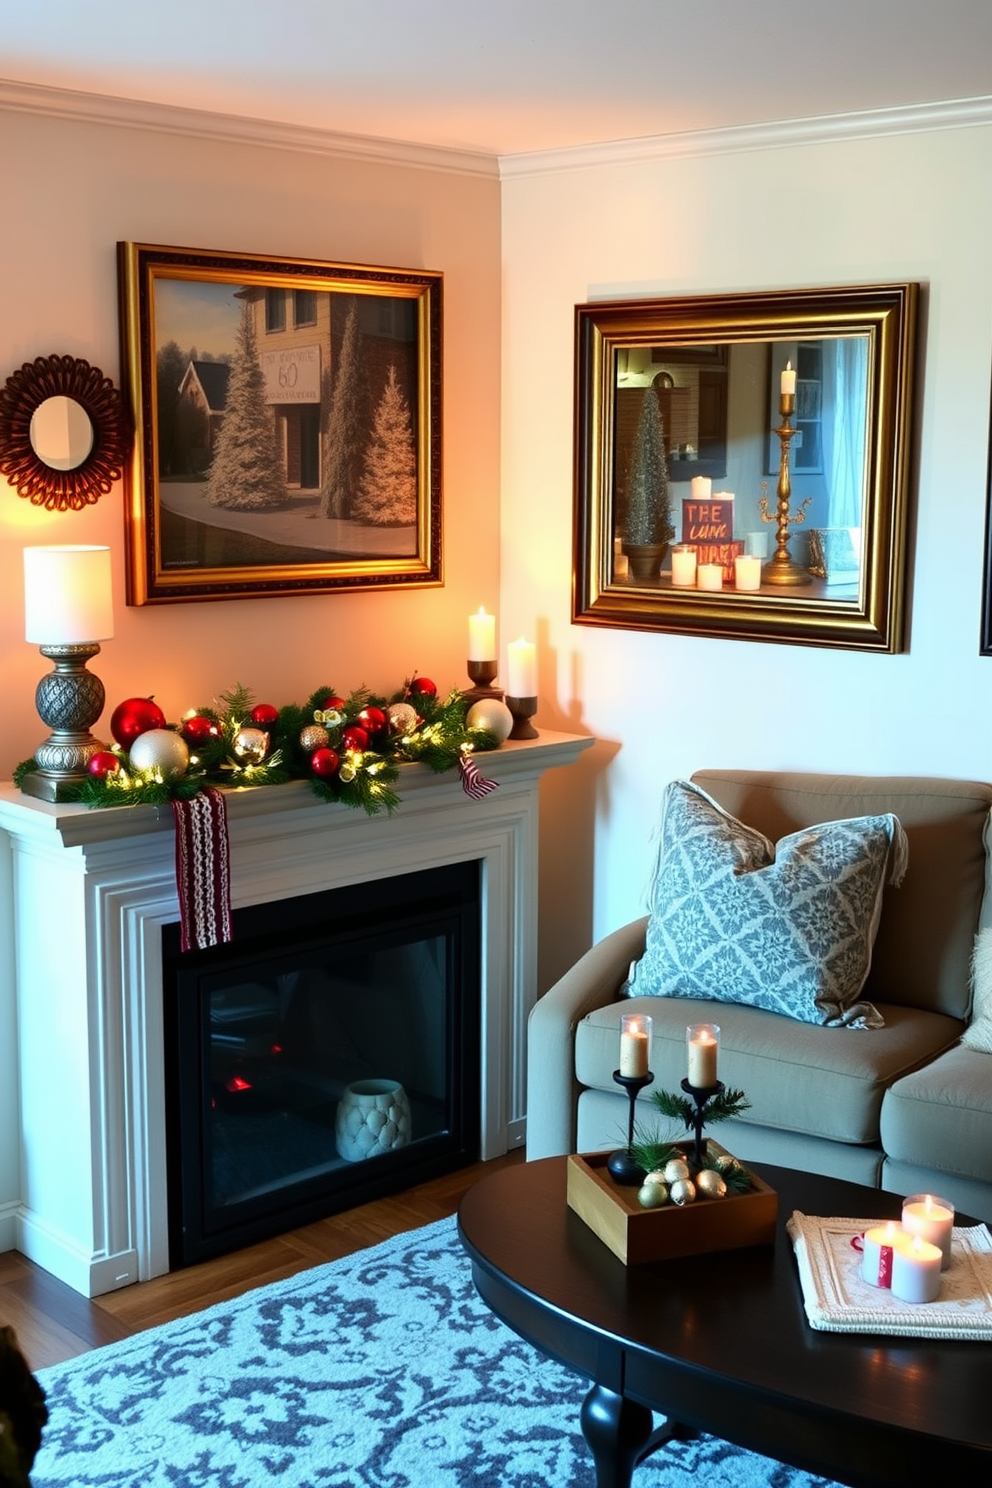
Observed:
{"x":636,"y":1235}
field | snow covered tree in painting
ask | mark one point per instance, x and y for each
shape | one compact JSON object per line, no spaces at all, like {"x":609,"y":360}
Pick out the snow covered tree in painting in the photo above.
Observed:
{"x":387,"y":492}
{"x":347,"y":425}
{"x":246,"y":472}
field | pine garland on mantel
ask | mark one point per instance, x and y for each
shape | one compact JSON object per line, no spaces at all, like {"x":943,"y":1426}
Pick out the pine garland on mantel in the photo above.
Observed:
{"x":349,"y":749}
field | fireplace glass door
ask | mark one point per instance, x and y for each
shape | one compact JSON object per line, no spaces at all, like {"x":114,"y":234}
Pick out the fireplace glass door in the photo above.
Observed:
{"x":329,"y":1054}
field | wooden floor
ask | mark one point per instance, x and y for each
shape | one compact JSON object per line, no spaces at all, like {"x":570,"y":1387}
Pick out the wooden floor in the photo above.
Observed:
{"x":52,"y":1322}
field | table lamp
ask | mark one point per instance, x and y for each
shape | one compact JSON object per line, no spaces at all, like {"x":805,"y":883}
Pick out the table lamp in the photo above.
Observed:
{"x":68,"y":611}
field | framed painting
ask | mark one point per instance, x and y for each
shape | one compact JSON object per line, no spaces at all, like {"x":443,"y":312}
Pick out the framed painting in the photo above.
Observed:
{"x":287,"y":423}
{"x":742,"y":464}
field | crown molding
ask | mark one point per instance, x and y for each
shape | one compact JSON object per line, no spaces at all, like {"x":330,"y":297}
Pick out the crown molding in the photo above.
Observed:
{"x":164,"y":118}
{"x":959,"y":113}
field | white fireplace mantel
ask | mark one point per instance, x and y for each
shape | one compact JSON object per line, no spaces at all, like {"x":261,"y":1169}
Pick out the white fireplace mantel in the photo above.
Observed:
{"x":91,"y":891}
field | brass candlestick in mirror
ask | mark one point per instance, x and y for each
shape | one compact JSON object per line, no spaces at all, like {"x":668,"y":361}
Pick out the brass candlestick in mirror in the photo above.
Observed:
{"x":780,"y":568}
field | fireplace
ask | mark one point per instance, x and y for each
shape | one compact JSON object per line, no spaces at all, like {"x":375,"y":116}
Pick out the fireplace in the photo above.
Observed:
{"x":326,"y":1056}
{"x":84,"y":899}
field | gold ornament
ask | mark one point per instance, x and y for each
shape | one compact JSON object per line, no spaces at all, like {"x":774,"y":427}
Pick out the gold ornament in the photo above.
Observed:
{"x":251,"y":745}
{"x":710,"y":1184}
{"x":402,"y":717}
{"x":162,"y":750}
{"x":314,"y":737}
{"x":347,"y":771}
{"x":652,"y":1195}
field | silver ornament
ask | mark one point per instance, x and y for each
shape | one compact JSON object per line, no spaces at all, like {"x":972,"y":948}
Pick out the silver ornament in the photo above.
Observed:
{"x":314,"y":736}
{"x":683,"y":1191}
{"x":491,"y":714}
{"x":711,"y":1185}
{"x":675,"y":1170}
{"x":402,"y":717}
{"x":162,"y":750}
{"x":251,"y":745}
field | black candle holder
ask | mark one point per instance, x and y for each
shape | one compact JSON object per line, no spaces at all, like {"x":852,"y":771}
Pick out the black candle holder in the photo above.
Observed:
{"x":701,"y":1094}
{"x":623,"y":1167}
{"x":523,"y":710}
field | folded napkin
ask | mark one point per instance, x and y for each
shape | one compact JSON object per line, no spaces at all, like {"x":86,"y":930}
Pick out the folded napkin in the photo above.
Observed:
{"x":837,"y":1300}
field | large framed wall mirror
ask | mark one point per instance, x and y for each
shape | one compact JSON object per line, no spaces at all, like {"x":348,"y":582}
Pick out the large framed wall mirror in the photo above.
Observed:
{"x":742,"y":464}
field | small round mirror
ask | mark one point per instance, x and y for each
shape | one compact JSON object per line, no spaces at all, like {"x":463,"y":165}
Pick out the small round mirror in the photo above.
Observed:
{"x":61,"y":433}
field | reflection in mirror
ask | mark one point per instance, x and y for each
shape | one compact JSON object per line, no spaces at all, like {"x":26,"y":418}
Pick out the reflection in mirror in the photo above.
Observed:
{"x":718,"y":408}
{"x":61,"y":433}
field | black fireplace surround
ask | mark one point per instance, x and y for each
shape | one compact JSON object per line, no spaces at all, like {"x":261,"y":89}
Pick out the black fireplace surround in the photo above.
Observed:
{"x":372,"y":986}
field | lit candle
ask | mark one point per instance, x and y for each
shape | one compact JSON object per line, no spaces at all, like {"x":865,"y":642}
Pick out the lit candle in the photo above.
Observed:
{"x":788,"y":380}
{"x":747,"y":572}
{"x":635,"y":1045}
{"x":701,"y":487}
{"x":684,"y":567}
{"x":916,"y":1270}
{"x":521,"y":669}
{"x":710,"y":576}
{"x":482,"y":636}
{"x":877,"y":1248}
{"x":932,"y":1219}
{"x":703,"y":1041}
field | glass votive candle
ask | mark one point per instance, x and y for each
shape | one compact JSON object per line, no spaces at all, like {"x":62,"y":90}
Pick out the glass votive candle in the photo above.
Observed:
{"x":702,"y":1047}
{"x":747,"y":572}
{"x":709,"y":576}
{"x":932,"y":1219}
{"x":683,"y":566}
{"x":915,"y":1269}
{"x":635,"y":1045}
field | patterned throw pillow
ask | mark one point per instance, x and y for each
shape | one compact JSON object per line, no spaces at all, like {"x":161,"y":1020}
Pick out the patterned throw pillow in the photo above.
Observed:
{"x":788,"y":927}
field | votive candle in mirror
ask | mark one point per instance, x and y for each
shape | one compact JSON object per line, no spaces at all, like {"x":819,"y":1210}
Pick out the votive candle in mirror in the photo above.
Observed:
{"x":931,"y":1218}
{"x":747,"y":572}
{"x":709,"y":576}
{"x":684,"y":566}
{"x":635,"y":1045}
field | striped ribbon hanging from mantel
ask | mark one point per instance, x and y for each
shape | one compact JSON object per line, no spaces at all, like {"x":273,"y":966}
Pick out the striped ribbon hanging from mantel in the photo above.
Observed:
{"x":203,"y":870}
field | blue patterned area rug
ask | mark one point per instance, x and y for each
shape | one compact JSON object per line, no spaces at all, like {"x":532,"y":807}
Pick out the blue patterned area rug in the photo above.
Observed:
{"x":383,"y":1370}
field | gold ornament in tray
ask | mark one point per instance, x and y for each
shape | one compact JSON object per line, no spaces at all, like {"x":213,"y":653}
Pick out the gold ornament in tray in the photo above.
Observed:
{"x":635,"y":1234}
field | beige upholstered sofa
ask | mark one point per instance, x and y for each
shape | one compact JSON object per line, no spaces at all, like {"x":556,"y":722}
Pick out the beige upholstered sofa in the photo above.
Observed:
{"x":906,"y":1107}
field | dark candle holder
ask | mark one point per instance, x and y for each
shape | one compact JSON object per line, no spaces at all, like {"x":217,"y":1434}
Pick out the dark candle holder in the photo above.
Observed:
{"x":523,"y":710}
{"x":622,"y":1165}
{"x":701,"y":1094}
{"x":482,"y":675}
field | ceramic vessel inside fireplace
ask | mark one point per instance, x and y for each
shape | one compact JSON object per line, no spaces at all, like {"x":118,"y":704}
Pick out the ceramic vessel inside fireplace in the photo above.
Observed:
{"x":373,"y":1117}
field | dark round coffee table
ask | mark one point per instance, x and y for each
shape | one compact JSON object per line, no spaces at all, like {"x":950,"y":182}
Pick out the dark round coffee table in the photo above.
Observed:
{"x":720,"y":1342}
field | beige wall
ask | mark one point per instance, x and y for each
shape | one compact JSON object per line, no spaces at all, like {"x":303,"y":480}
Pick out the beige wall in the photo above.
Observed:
{"x":71,"y":190}
{"x":909,"y":207}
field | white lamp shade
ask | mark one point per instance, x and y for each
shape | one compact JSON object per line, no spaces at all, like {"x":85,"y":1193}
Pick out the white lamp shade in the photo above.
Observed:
{"x":68,"y":598}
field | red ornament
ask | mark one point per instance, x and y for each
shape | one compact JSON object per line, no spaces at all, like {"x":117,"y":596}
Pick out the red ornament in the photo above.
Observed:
{"x":324,"y":762}
{"x":331,"y":702}
{"x":373,"y":719}
{"x":263,"y":715}
{"x":197,"y":730}
{"x":103,"y":763}
{"x":133,"y":717}
{"x":355,"y":737}
{"x":423,"y":687}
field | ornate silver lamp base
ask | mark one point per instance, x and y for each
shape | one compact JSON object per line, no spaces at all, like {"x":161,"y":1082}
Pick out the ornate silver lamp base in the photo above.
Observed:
{"x":69,"y":700}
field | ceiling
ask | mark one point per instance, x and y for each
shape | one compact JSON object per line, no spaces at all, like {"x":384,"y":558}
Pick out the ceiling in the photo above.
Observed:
{"x":503,"y":77}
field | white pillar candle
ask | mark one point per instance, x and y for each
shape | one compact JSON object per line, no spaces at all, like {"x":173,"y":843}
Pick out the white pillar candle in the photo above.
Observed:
{"x":521,"y":669}
{"x":877,"y":1247}
{"x":703,"y":1042}
{"x":788,"y":379}
{"x":709,"y":576}
{"x":635,"y":1045}
{"x":684,"y":567}
{"x":482,"y":636}
{"x":701,"y":488}
{"x":747,"y":572}
{"x":932,"y":1219}
{"x":916,"y":1270}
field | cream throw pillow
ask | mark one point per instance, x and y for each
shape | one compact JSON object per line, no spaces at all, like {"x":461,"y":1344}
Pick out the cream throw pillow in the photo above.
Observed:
{"x":978,"y":1034}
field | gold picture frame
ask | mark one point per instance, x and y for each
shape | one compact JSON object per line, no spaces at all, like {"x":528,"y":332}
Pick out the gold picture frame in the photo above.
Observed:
{"x":288,"y":425}
{"x":708,"y":370}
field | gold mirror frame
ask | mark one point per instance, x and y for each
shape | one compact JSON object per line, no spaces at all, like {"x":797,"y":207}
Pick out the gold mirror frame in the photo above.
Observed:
{"x":705,"y":330}
{"x":20,"y":398}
